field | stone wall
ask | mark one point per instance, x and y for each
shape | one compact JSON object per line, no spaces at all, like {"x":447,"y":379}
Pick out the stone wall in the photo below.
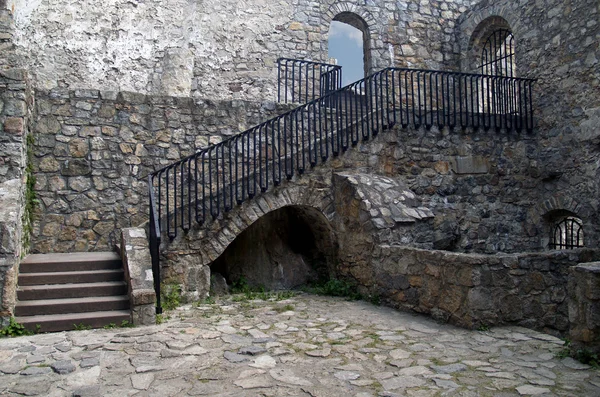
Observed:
{"x":217,"y":49}
{"x":16,"y":106}
{"x":94,"y":149}
{"x":584,"y":307}
{"x":489,"y":190}
{"x":557,"y":42}
{"x":473,"y":290}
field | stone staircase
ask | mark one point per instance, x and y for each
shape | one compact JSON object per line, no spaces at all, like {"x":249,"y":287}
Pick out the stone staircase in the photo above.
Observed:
{"x":58,"y":292}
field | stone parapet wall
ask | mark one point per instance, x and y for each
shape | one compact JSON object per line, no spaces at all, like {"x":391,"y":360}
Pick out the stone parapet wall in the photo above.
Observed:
{"x":94,"y":149}
{"x":584,"y":307}
{"x":473,"y":290}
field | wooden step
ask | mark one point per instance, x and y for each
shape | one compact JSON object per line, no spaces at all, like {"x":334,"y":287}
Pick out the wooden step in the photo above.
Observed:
{"x":60,"y":291}
{"x":65,"y":322}
{"x":85,"y":276}
{"x":80,"y":261}
{"x":72,"y":305}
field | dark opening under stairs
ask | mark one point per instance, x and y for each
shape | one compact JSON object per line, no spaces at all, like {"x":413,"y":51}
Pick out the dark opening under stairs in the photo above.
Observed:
{"x":58,"y":292}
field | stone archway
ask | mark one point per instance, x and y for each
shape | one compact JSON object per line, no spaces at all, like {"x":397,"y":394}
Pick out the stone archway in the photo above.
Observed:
{"x":480,"y":36}
{"x":361,"y":19}
{"x":284,"y":249}
{"x":474,"y":28}
{"x":186,"y":260}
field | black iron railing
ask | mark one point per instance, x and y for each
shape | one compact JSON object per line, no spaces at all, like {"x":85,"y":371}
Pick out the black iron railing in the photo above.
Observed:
{"x":222,"y":176}
{"x":154,"y":243}
{"x":300,"y":81}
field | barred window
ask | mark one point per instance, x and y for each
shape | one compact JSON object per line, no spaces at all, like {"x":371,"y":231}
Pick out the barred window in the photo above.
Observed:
{"x":498,"y":54}
{"x":567,"y":233}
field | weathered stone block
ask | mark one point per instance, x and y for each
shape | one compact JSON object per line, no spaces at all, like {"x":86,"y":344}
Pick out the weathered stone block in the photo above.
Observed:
{"x":78,"y":147}
{"x":73,"y":167}
{"x":470,"y":165}
{"x":14,"y":125}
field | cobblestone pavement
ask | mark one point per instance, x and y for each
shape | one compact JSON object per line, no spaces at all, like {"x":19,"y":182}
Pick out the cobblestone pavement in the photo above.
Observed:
{"x":302,"y":346}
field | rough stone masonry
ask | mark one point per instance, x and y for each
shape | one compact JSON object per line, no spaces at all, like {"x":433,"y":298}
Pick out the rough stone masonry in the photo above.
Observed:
{"x":120,"y":88}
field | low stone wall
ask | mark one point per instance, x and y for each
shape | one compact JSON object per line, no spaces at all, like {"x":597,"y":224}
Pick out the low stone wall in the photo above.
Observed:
{"x":473,"y":290}
{"x":93,"y":151}
{"x":584,"y":306}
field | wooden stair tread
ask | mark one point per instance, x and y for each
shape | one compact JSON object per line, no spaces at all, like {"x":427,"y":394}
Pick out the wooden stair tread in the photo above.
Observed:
{"x":71,"y":285}
{"x":71,"y":257}
{"x":61,"y":301}
{"x":72,"y":272}
{"x":64,"y":322}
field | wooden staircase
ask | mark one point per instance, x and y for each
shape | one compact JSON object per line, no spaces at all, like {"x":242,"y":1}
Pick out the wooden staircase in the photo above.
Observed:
{"x":59,"y":292}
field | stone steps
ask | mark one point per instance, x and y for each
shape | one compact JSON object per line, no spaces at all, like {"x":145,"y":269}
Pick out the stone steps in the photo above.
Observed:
{"x":66,"y":291}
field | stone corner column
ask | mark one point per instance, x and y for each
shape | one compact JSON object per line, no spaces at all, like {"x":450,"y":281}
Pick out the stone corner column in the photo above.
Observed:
{"x":584,"y":306}
{"x":137,"y":265}
{"x":16,"y":109}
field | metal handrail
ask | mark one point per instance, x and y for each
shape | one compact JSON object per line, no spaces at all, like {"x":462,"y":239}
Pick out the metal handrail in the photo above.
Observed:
{"x":300,"y":81}
{"x":221,"y":176}
{"x":154,"y":243}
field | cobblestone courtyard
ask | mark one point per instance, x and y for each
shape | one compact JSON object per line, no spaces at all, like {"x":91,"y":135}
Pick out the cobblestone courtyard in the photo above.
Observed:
{"x":302,"y":346}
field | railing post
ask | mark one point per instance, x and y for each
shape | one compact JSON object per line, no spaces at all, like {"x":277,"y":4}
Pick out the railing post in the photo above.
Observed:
{"x":154,"y":242}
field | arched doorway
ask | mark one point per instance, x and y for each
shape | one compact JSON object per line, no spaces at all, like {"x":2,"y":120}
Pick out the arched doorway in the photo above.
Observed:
{"x":284,"y":249}
{"x":349,"y":44}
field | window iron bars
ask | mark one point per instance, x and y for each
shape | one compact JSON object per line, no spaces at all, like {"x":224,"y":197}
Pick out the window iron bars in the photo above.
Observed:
{"x":567,"y":234}
{"x":498,"y":54}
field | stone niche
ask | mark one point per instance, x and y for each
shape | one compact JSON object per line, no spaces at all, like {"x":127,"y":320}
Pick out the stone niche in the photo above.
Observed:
{"x":284,"y":249}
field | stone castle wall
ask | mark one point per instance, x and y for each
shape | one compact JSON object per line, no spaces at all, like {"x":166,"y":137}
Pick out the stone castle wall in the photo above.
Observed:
{"x":488,"y":191}
{"x":94,"y":150}
{"x":216,"y":49}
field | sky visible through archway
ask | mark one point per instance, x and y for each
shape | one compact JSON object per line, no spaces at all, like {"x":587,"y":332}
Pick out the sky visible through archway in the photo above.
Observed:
{"x":346,"y":45}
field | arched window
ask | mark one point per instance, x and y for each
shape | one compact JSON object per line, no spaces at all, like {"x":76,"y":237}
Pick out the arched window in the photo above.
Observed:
{"x":492,"y":53}
{"x":492,"y":48}
{"x":567,"y":233}
{"x":498,"y":54}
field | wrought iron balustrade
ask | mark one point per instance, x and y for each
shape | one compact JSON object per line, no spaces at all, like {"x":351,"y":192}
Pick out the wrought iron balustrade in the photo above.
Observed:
{"x":217,"y":178}
{"x":300,"y":81}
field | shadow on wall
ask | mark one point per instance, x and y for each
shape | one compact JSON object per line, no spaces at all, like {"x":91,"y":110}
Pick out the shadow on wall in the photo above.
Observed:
{"x":286,"y":248}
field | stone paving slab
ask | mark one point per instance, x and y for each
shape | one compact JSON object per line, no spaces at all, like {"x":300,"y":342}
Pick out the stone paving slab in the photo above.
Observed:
{"x":303,"y":346}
